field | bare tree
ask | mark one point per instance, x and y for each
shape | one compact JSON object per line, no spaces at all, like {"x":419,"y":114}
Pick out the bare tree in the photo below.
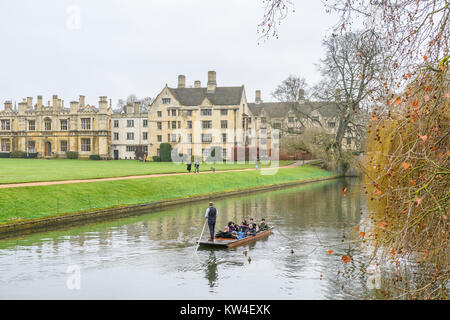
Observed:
{"x":145,"y":103}
{"x":352,"y":74}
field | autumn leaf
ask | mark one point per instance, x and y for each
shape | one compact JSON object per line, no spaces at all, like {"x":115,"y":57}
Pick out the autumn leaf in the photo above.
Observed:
{"x":424,"y":138}
{"x":397,"y":101}
{"x":357,"y":228}
{"x":330,"y":251}
{"x":374,"y":119}
{"x":362,"y":234}
{"x":378,"y":192}
{"x":448,"y":153}
{"x":382,"y":225}
{"x":427,"y":97}
{"x":425,"y":58}
{"x":344,"y":191}
{"x":347,"y":259}
{"x":415,"y":104}
{"x":418,"y":201}
{"x":406,"y":165}
{"x":413,"y":182}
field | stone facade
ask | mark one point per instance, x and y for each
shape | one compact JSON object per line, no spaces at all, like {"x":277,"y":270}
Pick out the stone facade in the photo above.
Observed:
{"x":52,"y":130}
{"x":129,"y":132}
{"x":197,"y":119}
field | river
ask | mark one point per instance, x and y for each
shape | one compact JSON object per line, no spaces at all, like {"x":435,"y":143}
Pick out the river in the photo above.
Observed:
{"x":151,"y":256}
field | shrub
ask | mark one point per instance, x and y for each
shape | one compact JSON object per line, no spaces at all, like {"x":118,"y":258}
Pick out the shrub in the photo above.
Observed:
{"x":30,"y":155}
{"x":156,"y":158}
{"x":5,"y":154}
{"x":71,"y":155}
{"x":165,"y":152}
{"x":94,"y":157}
{"x":17,"y":154}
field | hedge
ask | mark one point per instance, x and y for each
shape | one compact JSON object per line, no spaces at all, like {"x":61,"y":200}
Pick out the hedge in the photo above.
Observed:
{"x":71,"y":155}
{"x":165,"y":152}
{"x":94,"y":157}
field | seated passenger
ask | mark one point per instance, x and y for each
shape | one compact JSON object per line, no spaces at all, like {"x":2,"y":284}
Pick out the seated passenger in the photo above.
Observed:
{"x":244,"y":226}
{"x":251,"y":230}
{"x":231,"y":226}
{"x":263,"y":225}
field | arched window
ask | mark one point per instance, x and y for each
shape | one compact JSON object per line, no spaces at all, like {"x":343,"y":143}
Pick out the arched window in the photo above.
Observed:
{"x":47,"y":124}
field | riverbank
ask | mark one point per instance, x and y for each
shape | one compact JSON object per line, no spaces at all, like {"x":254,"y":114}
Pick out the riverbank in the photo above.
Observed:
{"x":39,"y":207}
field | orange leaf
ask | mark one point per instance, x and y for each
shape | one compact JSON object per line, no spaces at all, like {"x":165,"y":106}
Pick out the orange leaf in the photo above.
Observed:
{"x":418,"y":201}
{"x":378,"y":192}
{"x":344,"y":191}
{"x":425,"y":58}
{"x":397,"y":101}
{"x":362,"y":234}
{"x":346,"y":259}
{"x":427,"y":97}
{"x":330,"y":252}
{"x":413,"y":182}
{"x":374,"y":119}
{"x":383,"y":225}
{"x":406,"y":165}
{"x":415,"y":104}
{"x":424,"y":138}
{"x":356,"y":228}
{"x":448,"y":153}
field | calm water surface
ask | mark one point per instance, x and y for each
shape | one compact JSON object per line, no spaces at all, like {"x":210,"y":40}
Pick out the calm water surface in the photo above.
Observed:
{"x":151,"y":256}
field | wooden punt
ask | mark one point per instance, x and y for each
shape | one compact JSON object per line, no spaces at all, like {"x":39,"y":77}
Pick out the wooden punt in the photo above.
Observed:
{"x":230,"y":243}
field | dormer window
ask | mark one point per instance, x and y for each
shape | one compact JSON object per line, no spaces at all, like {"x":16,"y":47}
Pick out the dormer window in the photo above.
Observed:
{"x":206,"y":112}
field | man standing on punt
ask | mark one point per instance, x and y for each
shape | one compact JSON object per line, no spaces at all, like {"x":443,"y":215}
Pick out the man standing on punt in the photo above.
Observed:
{"x":211,"y":215}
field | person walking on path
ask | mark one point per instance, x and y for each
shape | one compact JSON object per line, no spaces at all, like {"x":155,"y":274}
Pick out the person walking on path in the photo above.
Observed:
{"x":211,"y":215}
{"x":189,"y":165}
{"x":196,"y":166}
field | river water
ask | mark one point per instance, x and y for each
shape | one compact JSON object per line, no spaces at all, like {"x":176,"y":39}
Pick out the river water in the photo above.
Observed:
{"x":152,"y":256}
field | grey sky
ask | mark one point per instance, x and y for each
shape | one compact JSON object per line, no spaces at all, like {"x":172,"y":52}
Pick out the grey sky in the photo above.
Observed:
{"x":137,"y":46}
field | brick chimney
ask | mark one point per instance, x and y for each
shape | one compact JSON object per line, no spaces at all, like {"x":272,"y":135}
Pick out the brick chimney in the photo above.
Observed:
{"x":212,"y":83}
{"x":103,"y":104}
{"x":258,"y":97}
{"x":197,"y":84}
{"x":39,"y":103}
{"x":82,"y":102}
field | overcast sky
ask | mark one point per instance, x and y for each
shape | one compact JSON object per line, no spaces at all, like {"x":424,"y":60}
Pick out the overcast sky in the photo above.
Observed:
{"x":137,"y":46}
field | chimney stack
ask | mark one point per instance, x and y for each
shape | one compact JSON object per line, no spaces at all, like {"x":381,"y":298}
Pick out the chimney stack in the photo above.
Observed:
{"x":137,"y":107}
{"x":197,"y":84}
{"x":55,"y":101}
{"x":103,"y":104}
{"x":212,"y":83}
{"x":181,"y":81}
{"x":39,"y":102}
{"x":258,"y":96}
{"x":22,"y":107}
{"x":74,"y":107}
{"x":82,"y":102}
{"x":29,"y":102}
{"x":8,"y":105}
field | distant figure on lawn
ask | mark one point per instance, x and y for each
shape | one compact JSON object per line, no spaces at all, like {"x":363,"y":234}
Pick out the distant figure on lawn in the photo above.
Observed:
{"x":189,"y":166}
{"x":211,"y":215}
{"x":196,"y":166}
{"x":256,"y":164}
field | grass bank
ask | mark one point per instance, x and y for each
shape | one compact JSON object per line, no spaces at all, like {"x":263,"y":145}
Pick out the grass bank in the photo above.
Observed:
{"x":37,"y":170}
{"x":28,"y":203}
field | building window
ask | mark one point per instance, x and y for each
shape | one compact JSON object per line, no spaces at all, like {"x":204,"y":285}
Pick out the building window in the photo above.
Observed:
{"x":189,"y":112}
{"x":206,"y":124}
{"x":224,"y":112}
{"x":31,"y":125}
{"x":331,"y":124}
{"x":206,"y":112}
{"x":159,"y":137}
{"x":116,"y":136}
{"x":189,"y":137}
{"x":224,"y":153}
{"x":206,"y":137}
{"x":86,"y":123}
{"x":63,"y":125}
{"x":277,"y":125}
{"x":291,"y":119}
{"x":174,"y":113}
{"x":166,"y":100}
{"x":130,"y":135}
{"x":263,"y":120}
{"x":31,"y":146}
{"x":224,"y":137}
{"x":189,"y":124}
{"x":6,"y":146}
{"x":130,"y":123}
{"x":206,"y":153}
{"x":6,"y":125}
{"x":159,"y":125}
{"x":174,"y":124}
{"x":159,"y":114}
{"x":47,"y":124}
{"x":263,"y":141}
{"x":145,"y":135}
{"x":63,"y":146}
{"x":145,"y":123}
{"x":174,"y":137}
{"x":223,"y":124}
{"x":86,"y":145}
{"x":179,"y":124}
{"x":158,"y":152}
{"x":131,"y":148}
{"x":116,"y":123}
{"x":315,"y":118}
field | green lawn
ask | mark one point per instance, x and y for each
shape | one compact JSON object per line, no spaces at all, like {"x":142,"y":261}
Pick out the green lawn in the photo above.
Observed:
{"x":43,"y":201}
{"x":32,"y":170}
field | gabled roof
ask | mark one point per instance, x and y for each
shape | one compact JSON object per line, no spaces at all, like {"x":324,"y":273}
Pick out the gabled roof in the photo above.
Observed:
{"x":222,"y":96}
{"x":281,"y":109}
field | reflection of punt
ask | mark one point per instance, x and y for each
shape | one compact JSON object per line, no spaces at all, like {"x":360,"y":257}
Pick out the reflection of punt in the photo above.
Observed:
{"x":230,"y":243}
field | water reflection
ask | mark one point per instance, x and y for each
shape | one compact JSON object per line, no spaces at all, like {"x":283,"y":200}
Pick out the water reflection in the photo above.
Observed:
{"x":152,"y":256}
